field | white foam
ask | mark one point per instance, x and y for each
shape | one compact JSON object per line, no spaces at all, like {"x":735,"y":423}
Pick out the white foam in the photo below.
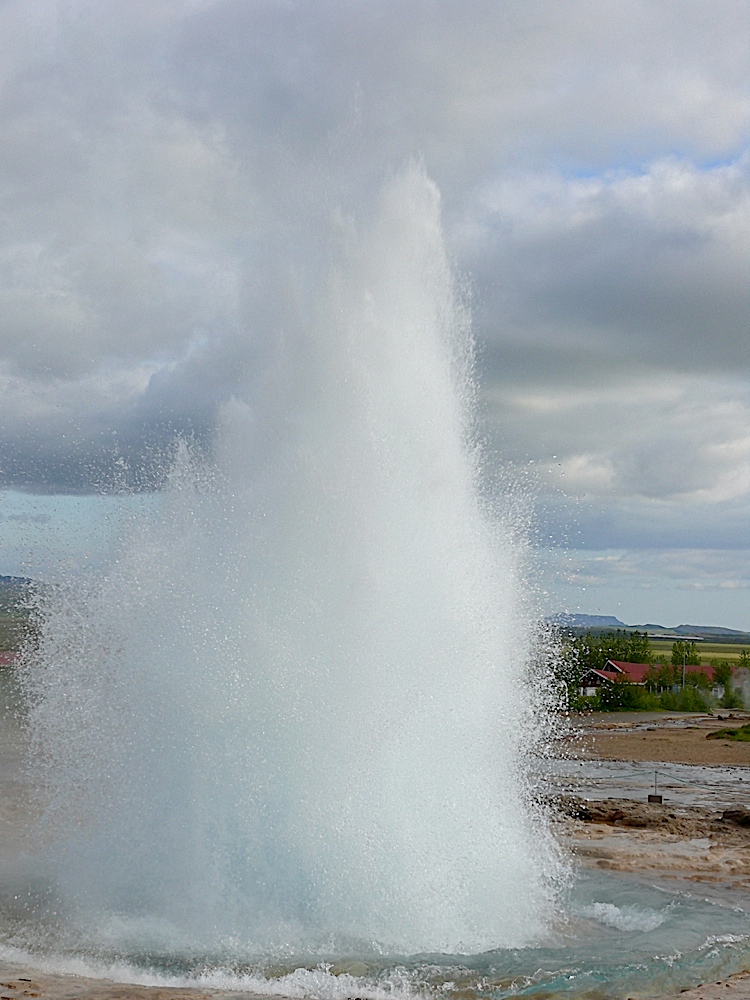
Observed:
{"x":625,"y":918}
{"x":319,"y":983}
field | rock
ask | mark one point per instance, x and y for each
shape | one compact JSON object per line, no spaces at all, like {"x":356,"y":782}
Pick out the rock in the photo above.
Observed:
{"x":687,"y":822}
{"x":741,"y":817}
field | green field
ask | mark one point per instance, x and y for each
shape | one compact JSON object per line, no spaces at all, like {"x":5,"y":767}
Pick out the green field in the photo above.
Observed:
{"x":729,"y":651}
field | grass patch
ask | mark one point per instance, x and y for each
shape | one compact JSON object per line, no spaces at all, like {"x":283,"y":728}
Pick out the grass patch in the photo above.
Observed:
{"x":739,"y":733}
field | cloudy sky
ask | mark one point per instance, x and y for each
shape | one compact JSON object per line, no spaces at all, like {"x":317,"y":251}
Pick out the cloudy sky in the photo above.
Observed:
{"x":161,"y":162}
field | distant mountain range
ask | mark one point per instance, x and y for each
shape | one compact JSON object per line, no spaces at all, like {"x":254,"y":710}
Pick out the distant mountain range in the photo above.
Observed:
{"x":12,"y":588}
{"x":609,"y":622}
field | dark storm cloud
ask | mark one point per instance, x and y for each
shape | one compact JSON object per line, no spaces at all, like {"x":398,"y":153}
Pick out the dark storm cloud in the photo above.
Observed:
{"x":174,"y":175}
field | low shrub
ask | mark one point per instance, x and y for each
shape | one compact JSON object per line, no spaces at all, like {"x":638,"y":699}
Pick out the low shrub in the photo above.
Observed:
{"x":624,"y":697}
{"x":688,"y":699}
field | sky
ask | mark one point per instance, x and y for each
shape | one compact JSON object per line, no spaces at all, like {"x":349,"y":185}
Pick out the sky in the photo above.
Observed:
{"x":161,"y":162}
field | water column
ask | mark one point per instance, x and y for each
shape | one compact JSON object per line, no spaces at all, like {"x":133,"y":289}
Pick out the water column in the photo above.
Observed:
{"x":290,"y":715}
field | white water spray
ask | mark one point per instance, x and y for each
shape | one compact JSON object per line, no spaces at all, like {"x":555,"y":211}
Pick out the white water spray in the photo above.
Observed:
{"x":289,"y":715}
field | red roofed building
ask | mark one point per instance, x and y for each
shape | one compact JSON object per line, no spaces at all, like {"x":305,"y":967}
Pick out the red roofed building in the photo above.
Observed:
{"x":7,"y":657}
{"x":637,"y":672}
{"x":633,"y":673}
{"x":614,"y":670}
{"x":594,"y":679}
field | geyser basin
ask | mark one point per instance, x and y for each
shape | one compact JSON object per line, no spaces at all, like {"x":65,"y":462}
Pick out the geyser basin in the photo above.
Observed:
{"x":291,"y":717}
{"x":620,"y":938}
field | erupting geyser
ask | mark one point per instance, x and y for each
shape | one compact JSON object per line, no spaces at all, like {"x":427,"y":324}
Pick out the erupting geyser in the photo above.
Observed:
{"x":289,"y":715}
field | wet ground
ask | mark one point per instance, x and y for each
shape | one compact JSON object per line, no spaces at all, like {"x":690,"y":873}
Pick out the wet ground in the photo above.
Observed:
{"x":708,"y":786}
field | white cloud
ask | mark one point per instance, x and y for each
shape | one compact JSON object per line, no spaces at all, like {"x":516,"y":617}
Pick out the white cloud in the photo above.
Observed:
{"x":667,"y":438}
{"x":697,"y":569}
{"x":673,"y":196}
{"x":170,"y":173}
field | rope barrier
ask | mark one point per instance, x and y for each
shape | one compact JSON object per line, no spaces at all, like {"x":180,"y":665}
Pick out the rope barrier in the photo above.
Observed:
{"x":685,"y":781}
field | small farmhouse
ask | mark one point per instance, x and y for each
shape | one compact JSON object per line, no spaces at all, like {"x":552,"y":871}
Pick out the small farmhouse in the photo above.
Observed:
{"x":614,"y":670}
